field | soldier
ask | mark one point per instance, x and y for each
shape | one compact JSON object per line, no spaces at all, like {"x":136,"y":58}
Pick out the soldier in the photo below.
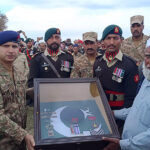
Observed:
{"x":134,"y":46}
{"x":30,"y":50}
{"x":136,"y":130}
{"x":83,"y":66}
{"x":13,"y":135}
{"x":53,"y":63}
{"x":76,"y":53}
{"x":117,"y":73}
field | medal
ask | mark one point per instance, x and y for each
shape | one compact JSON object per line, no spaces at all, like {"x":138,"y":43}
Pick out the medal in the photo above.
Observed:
{"x":118,"y":73}
{"x":66,"y":65}
{"x":66,"y":69}
{"x":119,"y":80}
{"x":113,"y":78}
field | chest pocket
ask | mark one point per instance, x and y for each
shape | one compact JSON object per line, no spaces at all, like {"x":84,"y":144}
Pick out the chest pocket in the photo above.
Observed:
{"x":7,"y":91}
{"x":7,"y":88}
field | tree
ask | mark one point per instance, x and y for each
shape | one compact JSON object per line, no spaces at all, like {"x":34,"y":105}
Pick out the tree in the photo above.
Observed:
{"x":3,"y":21}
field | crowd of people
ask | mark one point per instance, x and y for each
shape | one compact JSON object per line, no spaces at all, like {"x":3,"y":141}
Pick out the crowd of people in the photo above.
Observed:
{"x":122,"y":66}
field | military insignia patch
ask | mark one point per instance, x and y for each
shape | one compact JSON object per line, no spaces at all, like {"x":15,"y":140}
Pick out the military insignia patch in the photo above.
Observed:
{"x":98,"y":69}
{"x":136,"y":78}
{"x":116,"y":30}
{"x":58,"y":31}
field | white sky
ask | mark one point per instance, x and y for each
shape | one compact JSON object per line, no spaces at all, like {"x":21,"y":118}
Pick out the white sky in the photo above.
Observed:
{"x":73,"y":17}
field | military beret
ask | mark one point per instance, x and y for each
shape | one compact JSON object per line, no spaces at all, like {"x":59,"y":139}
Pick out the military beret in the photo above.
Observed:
{"x":75,"y":45}
{"x":111,"y":29}
{"x":28,"y":40}
{"x":50,"y":32}
{"x":22,"y":39}
{"x":9,"y":36}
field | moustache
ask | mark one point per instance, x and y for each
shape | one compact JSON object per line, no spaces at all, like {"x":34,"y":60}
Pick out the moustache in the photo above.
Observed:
{"x":136,"y":31}
{"x":54,"y":43}
{"x":112,"y":46}
{"x":90,"y":49}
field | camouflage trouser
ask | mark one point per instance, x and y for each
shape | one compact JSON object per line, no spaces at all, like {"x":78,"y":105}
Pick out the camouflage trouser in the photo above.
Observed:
{"x":8,"y":144}
{"x":30,"y":120}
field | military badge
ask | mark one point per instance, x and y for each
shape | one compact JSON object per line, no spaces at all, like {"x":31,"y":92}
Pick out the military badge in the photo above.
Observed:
{"x":98,"y":69}
{"x":58,"y":31}
{"x":45,"y":65}
{"x":116,"y":30}
{"x":118,"y":75}
{"x":46,"y":68}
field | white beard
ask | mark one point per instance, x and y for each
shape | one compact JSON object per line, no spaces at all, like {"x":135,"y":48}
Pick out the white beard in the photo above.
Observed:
{"x":146,"y":72}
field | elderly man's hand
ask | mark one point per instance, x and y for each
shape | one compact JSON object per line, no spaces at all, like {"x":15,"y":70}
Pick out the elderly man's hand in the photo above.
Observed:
{"x":113,"y":145}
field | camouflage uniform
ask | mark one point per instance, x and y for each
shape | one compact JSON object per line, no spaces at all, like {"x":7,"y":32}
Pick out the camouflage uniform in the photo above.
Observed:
{"x":21,"y":64}
{"x":137,"y":52}
{"x":12,"y":110}
{"x":82,"y":68}
{"x":77,"y":55}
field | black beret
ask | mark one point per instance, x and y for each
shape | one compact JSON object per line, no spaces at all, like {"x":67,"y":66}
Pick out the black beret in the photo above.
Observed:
{"x":112,"y":29}
{"x":50,"y":32}
{"x":9,"y":36}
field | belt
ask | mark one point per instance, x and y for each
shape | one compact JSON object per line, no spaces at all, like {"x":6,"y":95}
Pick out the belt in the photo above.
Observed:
{"x":115,"y":98}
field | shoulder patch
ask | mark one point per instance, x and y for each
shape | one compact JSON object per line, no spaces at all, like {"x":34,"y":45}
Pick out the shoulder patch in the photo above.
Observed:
{"x":136,"y":78}
{"x":36,"y":54}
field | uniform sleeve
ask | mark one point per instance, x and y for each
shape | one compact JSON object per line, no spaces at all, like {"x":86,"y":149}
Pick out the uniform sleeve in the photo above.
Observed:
{"x":26,"y":67}
{"x":122,"y":113}
{"x":138,"y":142}
{"x":9,"y":127}
{"x":94,"y":67}
{"x":34,"y":71}
{"x":130,"y":86}
{"x":75,"y":73}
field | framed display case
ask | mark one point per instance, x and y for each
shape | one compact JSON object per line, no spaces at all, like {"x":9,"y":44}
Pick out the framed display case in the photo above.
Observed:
{"x":71,"y":114}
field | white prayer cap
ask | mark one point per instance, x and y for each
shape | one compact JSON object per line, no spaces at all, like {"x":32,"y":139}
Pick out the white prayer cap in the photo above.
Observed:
{"x":148,"y":43}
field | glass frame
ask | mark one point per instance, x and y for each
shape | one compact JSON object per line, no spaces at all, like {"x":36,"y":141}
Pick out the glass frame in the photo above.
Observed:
{"x":61,"y":91}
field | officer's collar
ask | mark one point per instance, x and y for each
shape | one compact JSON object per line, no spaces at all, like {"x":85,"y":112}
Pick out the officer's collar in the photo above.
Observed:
{"x":46,"y":53}
{"x":118,"y":56}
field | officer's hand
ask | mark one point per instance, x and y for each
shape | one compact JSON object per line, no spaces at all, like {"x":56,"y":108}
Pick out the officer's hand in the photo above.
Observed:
{"x":113,"y":145}
{"x":29,"y":142}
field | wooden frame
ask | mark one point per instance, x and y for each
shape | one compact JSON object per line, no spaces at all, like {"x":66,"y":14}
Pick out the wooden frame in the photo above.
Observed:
{"x":71,"y":114}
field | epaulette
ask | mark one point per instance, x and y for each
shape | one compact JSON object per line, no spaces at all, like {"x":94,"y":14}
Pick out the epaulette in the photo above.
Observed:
{"x":99,"y":56}
{"x":38,"y":53}
{"x":131,"y":59}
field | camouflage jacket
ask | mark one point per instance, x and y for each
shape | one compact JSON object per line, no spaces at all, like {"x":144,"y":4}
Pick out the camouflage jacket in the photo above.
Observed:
{"x":12,"y":109}
{"x":77,"y":55}
{"x":82,"y":68}
{"x":137,"y":52}
{"x":21,"y":64}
